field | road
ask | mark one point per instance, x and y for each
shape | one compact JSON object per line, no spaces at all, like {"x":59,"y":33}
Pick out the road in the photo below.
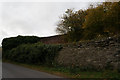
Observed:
{"x":15,"y":71}
{"x":8,"y":70}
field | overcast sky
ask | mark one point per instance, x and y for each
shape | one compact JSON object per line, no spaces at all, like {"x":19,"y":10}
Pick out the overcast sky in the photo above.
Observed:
{"x":34,"y":18}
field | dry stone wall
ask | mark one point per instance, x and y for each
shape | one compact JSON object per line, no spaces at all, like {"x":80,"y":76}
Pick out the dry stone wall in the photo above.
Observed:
{"x":102,"y":54}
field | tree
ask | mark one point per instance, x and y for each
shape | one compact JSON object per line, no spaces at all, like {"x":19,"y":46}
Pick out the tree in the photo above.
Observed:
{"x":94,"y":24}
{"x":71,"y":24}
{"x":112,"y":18}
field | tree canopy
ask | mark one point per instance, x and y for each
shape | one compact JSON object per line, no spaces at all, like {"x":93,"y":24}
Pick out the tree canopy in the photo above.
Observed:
{"x":95,"y":22}
{"x":71,"y":24}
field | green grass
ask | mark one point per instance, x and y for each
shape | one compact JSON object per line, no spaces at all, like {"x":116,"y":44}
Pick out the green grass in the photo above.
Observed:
{"x":65,"y":72}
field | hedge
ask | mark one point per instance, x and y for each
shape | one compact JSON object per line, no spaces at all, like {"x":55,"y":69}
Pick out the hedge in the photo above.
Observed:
{"x":37,"y":53}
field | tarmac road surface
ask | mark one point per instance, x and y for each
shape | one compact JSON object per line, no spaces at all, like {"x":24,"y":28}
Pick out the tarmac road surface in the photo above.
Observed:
{"x":15,"y":71}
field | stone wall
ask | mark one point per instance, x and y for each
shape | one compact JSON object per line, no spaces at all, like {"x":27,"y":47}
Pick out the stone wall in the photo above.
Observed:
{"x":100,"y":54}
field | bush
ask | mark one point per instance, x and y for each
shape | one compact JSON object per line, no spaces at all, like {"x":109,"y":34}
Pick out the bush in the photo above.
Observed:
{"x":37,"y":53}
{"x":12,"y":42}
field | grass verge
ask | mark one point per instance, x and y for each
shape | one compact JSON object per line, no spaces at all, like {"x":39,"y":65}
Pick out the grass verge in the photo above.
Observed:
{"x":66,"y":73}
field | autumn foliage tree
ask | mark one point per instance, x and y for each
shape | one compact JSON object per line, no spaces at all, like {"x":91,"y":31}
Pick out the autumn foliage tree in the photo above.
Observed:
{"x":71,"y":24}
{"x":95,"y":22}
{"x":112,"y":18}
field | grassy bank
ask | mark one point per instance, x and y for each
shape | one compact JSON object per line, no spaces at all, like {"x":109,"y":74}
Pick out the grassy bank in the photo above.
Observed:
{"x":67,"y":73}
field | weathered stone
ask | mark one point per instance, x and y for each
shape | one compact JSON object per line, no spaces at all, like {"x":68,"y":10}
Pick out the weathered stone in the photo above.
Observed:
{"x":103,"y":53}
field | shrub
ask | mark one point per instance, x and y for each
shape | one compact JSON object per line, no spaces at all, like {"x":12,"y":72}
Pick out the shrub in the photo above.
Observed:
{"x":12,"y":42}
{"x":37,"y":53}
